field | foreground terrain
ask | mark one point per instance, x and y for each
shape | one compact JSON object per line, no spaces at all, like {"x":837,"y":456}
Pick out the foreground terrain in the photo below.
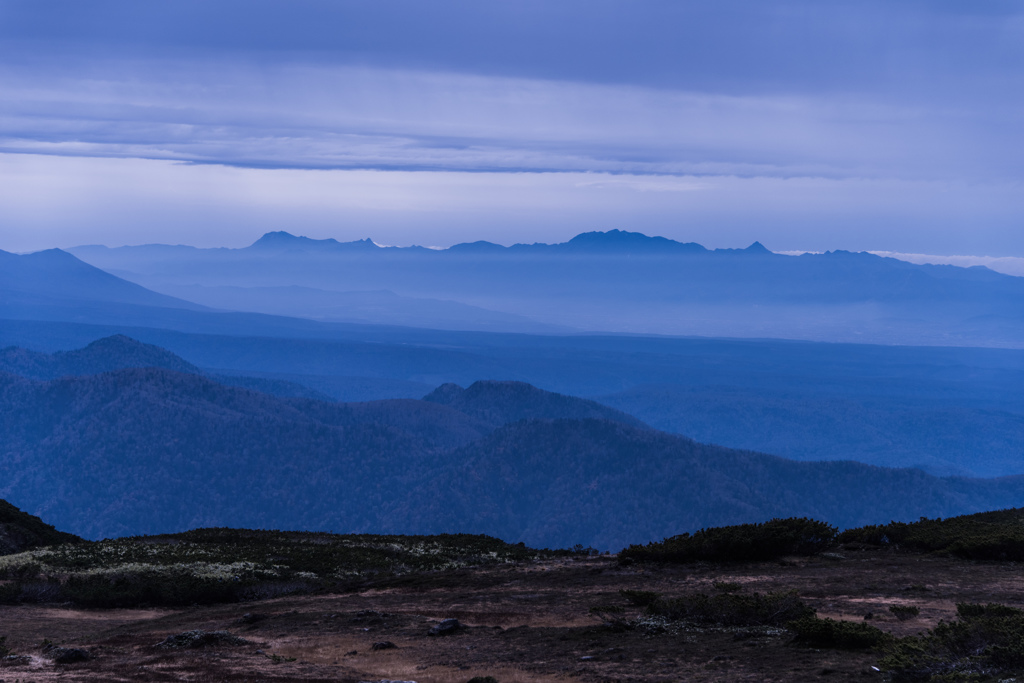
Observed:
{"x":522,"y":621}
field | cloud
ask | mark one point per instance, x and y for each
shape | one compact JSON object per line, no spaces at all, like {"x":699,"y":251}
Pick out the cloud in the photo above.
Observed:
{"x":858,"y":125}
{"x":64,"y":201}
{"x":1009,"y":265}
{"x":299,"y":115}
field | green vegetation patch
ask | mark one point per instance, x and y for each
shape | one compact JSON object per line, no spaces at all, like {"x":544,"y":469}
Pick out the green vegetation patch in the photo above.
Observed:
{"x":995,"y":535}
{"x":986,"y":642}
{"x":229,"y":565}
{"x":741,"y":543}
{"x":830,"y":633}
{"x":723,"y":609}
{"x":904,"y":612}
{"x":731,"y":609}
{"x":639,"y":598}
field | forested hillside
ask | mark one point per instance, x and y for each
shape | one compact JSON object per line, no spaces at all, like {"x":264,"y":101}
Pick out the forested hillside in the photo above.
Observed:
{"x":153,"y":450}
{"x":608,"y":482}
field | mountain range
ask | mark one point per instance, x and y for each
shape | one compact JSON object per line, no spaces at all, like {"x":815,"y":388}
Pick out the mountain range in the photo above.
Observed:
{"x":151,"y":450}
{"x":614,"y":281}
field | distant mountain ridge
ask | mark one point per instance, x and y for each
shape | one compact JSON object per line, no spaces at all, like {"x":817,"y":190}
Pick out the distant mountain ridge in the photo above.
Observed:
{"x":612,"y":242}
{"x":56,"y":275}
{"x":615,"y":281}
{"x":284,"y":240}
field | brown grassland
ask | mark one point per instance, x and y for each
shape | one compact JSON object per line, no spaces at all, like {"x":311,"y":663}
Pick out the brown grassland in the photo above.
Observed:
{"x":528,"y":621}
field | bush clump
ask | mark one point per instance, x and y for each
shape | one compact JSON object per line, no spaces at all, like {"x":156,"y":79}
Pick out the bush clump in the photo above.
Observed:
{"x":741,"y":543}
{"x":995,"y":535}
{"x":904,"y":612}
{"x":730,"y":609}
{"x":207,"y":566}
{"x":65,"y":655}
{"x":639,"y":598}
{"x":843,"y":635}
{"x":199,"y":639}
{"x":986,"y":642}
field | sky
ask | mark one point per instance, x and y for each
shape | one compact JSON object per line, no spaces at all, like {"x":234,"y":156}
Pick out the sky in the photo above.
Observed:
{"x":815,"y":125}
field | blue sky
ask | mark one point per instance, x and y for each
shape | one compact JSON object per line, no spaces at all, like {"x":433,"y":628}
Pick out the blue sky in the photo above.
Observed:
{"x":892,"y":126}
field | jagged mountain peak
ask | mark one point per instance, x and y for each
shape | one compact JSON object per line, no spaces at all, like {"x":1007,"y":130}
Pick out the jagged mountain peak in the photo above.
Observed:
{"x":624,"y":242}
{"x":282,"y":240}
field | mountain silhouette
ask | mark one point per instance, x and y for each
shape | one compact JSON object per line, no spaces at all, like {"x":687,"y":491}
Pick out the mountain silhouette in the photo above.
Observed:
{"x":284,"y":241}
{"x":621,"y":282}
{"x":55,"y":276}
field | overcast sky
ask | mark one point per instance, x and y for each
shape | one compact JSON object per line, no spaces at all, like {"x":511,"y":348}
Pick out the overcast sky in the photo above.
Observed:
{"x":888,"y":126}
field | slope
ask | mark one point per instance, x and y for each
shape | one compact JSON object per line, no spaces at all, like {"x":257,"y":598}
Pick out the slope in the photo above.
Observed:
{"x":55,"y":277}
{"x":21,"y":531}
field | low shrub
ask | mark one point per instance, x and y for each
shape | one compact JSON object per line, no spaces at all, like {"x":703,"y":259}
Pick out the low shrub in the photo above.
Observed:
{"x":730,"y":609}
{"x":639,"y":598}
{"x":995,"y":535}
{"x":844,"y":635}
{"x":229,"y":565}
{"x":742,"y":543}
{"x":611,"y":616}
{"x":163,"y":589}
{"x":904,"y":612}
{"x":199,"y":639}
{"x":726,"y":586}
{"x":986,"y":642}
